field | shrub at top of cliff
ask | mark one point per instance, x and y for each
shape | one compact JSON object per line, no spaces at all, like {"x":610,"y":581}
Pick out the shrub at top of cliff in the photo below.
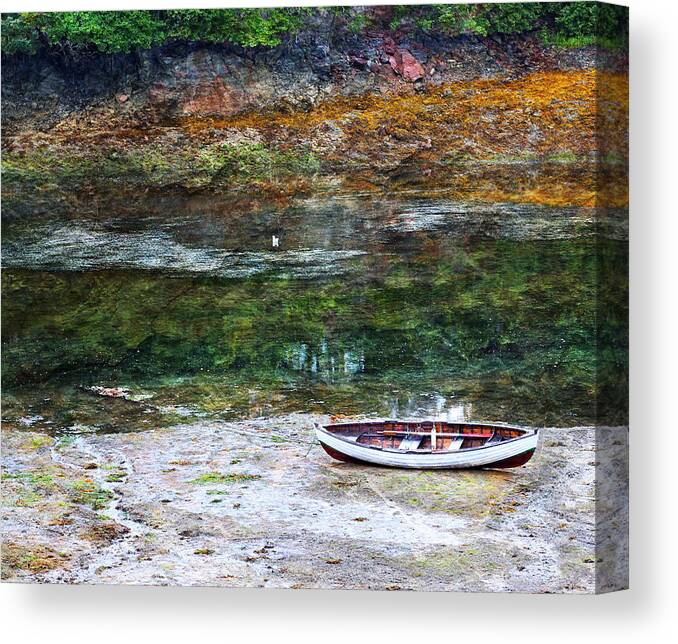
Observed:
{"x":125,"y":31}
{"x":584,"y":21}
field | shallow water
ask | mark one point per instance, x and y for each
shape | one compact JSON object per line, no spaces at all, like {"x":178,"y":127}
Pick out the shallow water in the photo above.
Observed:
{"x":394,"y":307}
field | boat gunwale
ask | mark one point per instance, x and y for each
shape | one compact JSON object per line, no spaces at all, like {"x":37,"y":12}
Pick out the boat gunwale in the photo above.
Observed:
{"x":528,"y":432}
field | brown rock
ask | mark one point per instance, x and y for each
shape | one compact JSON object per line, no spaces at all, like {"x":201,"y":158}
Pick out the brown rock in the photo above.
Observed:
{"x":406,"y":65}
{"x":358,"y":61}
{"x":122,"y":98}
{"x":105,"y":532}
{"x":394,"y":64}
{"x":389,"y":46}
{"x":411,"y":69}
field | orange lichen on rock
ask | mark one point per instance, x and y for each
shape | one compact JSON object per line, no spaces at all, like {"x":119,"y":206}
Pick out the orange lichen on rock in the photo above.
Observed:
{"x":566,"y":120}
{"x":544,"y":113}
{"x":555,"y":138}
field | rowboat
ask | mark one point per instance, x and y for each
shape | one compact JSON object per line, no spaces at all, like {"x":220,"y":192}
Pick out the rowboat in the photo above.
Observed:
{"x":428,"y":444}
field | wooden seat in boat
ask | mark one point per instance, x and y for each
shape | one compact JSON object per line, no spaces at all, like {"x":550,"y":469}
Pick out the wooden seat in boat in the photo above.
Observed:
{"x":410,"y":442}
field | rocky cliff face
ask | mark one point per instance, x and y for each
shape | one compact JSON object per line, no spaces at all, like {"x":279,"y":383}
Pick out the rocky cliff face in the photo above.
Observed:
{"x":164,"y":84}
{"x":498,"y":120}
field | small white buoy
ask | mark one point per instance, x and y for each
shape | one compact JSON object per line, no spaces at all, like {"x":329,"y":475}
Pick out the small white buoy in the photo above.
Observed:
{"x":275,"y":241}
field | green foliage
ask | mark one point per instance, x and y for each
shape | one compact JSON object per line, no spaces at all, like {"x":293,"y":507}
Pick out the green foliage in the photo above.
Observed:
{"x":562,"y":23}
{"x":357,"y":23}
{"x":400,"y":12}
{"x":245,"y":27}
{"x":575,"y":42}
{"x":108,"y":31}
{"x":483,"y":19}
{"x":459,"y":19}
{"x":513,"y":17}
{"x":19,"y":35}
{"x":126,"y":31}
{"x":591,"y":19}
{"x":354,"y":19}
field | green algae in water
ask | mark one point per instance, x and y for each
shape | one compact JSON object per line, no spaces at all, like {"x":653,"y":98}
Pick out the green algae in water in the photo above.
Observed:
{"x":216,"y":477}
{"x":85,"y":492}
{"x":116,"y":477}
{"x":510,"y":329}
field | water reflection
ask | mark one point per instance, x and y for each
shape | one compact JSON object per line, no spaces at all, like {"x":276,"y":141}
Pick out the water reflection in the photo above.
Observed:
{"x":387,"y":307}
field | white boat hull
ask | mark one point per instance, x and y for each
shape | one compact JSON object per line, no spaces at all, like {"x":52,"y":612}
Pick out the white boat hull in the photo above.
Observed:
{"x":498,"y":455}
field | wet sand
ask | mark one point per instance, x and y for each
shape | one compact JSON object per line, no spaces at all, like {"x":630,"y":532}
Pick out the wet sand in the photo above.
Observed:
{"x":259,"y":503}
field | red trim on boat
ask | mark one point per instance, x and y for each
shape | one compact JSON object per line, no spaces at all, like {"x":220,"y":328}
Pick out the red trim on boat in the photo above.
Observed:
{"x":513,"y":461}
{"x":340,"y":456}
